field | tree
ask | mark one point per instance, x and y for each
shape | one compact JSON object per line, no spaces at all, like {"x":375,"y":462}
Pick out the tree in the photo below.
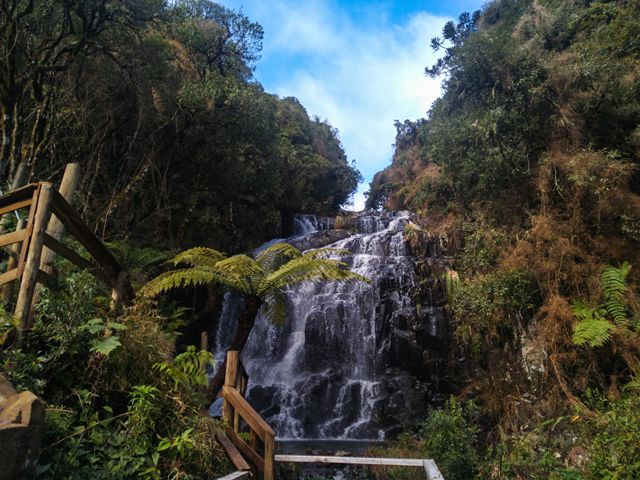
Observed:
{"x":260,"y":281}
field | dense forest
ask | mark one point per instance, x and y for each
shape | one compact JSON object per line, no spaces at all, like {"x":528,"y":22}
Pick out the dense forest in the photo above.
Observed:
{"x":528,"y":167}
{"x":157,"y":103}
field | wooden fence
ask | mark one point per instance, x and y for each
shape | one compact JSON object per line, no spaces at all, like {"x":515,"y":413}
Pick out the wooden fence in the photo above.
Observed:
{"x":25,"y":263}
{"x":237,"y":412}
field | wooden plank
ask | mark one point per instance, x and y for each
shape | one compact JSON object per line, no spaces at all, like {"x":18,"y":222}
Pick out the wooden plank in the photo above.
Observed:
{"x":398,"y":462}
{"x":269,"y":460}
{"x":45,"y":279}
{"x":11,"y":252}
{"x":32,"y":265}
{"x":86,"y":237}
{"x":433,"y":473}
{"x":236,"y":476}
{"x":14,"y":257}
{"x":55,"y":228}
{"x":15,"y":206}
{"x":9,"y":276}
{"x":13,"y":237}
{"x":24,"y":250}
{"x":75,"y":258}
{"x":231,"y":373}
{"x":18,"y":195}
{"x":246,"y":450}
{"x":230,"y":381}
{"x":248,"y":414}
{"x":232,"y":452}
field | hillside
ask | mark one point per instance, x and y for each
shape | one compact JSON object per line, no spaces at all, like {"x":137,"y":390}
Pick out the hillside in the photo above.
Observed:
{"x":528,"y":167}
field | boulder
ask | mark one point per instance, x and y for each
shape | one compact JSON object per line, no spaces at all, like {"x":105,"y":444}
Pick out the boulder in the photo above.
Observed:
{"x":21,"y":427}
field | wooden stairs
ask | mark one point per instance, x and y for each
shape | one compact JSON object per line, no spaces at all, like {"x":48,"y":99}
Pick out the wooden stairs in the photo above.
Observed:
{"x":252,"y":452}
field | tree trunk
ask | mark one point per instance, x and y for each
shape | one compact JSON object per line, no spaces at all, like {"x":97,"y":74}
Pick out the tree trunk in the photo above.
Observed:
{"x":245,"y":324}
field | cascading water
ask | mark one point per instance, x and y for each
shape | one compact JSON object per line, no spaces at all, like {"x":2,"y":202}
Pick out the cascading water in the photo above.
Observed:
{"x":335,"y":368}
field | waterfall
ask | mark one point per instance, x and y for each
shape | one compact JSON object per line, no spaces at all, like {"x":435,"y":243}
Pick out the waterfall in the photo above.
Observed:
{"x":335,"y":368}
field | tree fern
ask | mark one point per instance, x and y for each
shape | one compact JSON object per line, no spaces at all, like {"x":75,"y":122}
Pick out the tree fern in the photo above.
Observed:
{"x":180,"y":278}
{"x":277,"y":255}
{"x":614,"y":291}
{"x":199,"y":257}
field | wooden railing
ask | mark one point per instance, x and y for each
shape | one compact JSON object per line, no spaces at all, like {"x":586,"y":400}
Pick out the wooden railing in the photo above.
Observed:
{"x":28,"y":243}
{"x":238,"y":414}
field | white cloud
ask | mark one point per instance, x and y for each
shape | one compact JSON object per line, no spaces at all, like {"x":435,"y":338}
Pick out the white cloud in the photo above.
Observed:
{"x":359,"y":75}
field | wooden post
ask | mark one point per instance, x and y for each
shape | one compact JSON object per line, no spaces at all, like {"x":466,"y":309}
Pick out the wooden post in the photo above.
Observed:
{"x":230,"y":381}
{"x":7,"y":290}
{"x":204,"y":341}
{"x":269,"y":457}
{"x":55,"y":228}
{"x":118,"y":291}
{"x":34,"y":254}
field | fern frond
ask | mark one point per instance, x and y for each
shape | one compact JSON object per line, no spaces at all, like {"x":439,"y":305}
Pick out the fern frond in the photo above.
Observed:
{"x":307,"y":268}
{"x":182,"y":277}
{"x":595,"y":332}
{"x":275,"y":307}
{"x":199,"y":257}
{"x":277,"y":255}
{"x":614,"y":290}
{"x":592,"y":329}
{"x":242,"y":273}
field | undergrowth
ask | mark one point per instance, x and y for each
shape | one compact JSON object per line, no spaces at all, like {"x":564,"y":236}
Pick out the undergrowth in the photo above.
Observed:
{"x":119,"y":405}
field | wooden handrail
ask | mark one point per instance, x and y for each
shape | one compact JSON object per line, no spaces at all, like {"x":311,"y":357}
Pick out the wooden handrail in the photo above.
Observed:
{"x":45,"y":203}
{"x":235,"y":407}
{"x":428,"y":465}
{"x":248,"y":414}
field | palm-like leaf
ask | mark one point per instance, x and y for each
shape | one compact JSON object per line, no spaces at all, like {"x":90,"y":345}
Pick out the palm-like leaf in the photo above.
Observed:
{"x":275,"y":268}
{"x":245,"y":272}
{"x":614,"y":290}
{"x":183,"y":277}
{"x":592,"y":328}
{"x":275,"y":307}
{"x":308,"y":268}
{"x":199,"y":257}
{"x":272,"y":258}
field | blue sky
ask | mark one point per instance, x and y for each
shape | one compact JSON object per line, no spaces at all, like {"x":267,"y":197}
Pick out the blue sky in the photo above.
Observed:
{"x":358,"y":64}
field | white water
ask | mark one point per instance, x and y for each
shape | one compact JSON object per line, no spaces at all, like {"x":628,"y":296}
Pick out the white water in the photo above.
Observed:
{"x":318,"y":375}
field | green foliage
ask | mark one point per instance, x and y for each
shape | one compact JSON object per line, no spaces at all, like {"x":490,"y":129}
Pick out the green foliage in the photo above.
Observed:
{"x":595,"y":324}
{"x":106,"y":342}
{"x":593,"y":328}
{"x":110,"y":413}
{"x":189,"y":369}
{"x":450,"y":436}
{"x":614,"y":290}
{"x":178,"y":144}
{"x":494,"y":308}
{"x":273,"y":269}
{"x":615,"y":449}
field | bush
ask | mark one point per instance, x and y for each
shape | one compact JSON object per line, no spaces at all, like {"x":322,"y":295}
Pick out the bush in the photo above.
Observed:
{"x":118,"y":404}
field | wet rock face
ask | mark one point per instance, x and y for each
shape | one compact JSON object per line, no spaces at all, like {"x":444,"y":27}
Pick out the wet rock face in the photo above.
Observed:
{"x":353,"y":360}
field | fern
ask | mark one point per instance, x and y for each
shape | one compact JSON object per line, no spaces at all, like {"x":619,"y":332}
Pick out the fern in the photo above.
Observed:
{"x":189,"y":369}
{"x":199,"y":257}
{"x":277,"y":255}
{"x":179,"y":278}
{"x":614,"y":290}
{"x":592,"y":329}
{"x":273,"y":269}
